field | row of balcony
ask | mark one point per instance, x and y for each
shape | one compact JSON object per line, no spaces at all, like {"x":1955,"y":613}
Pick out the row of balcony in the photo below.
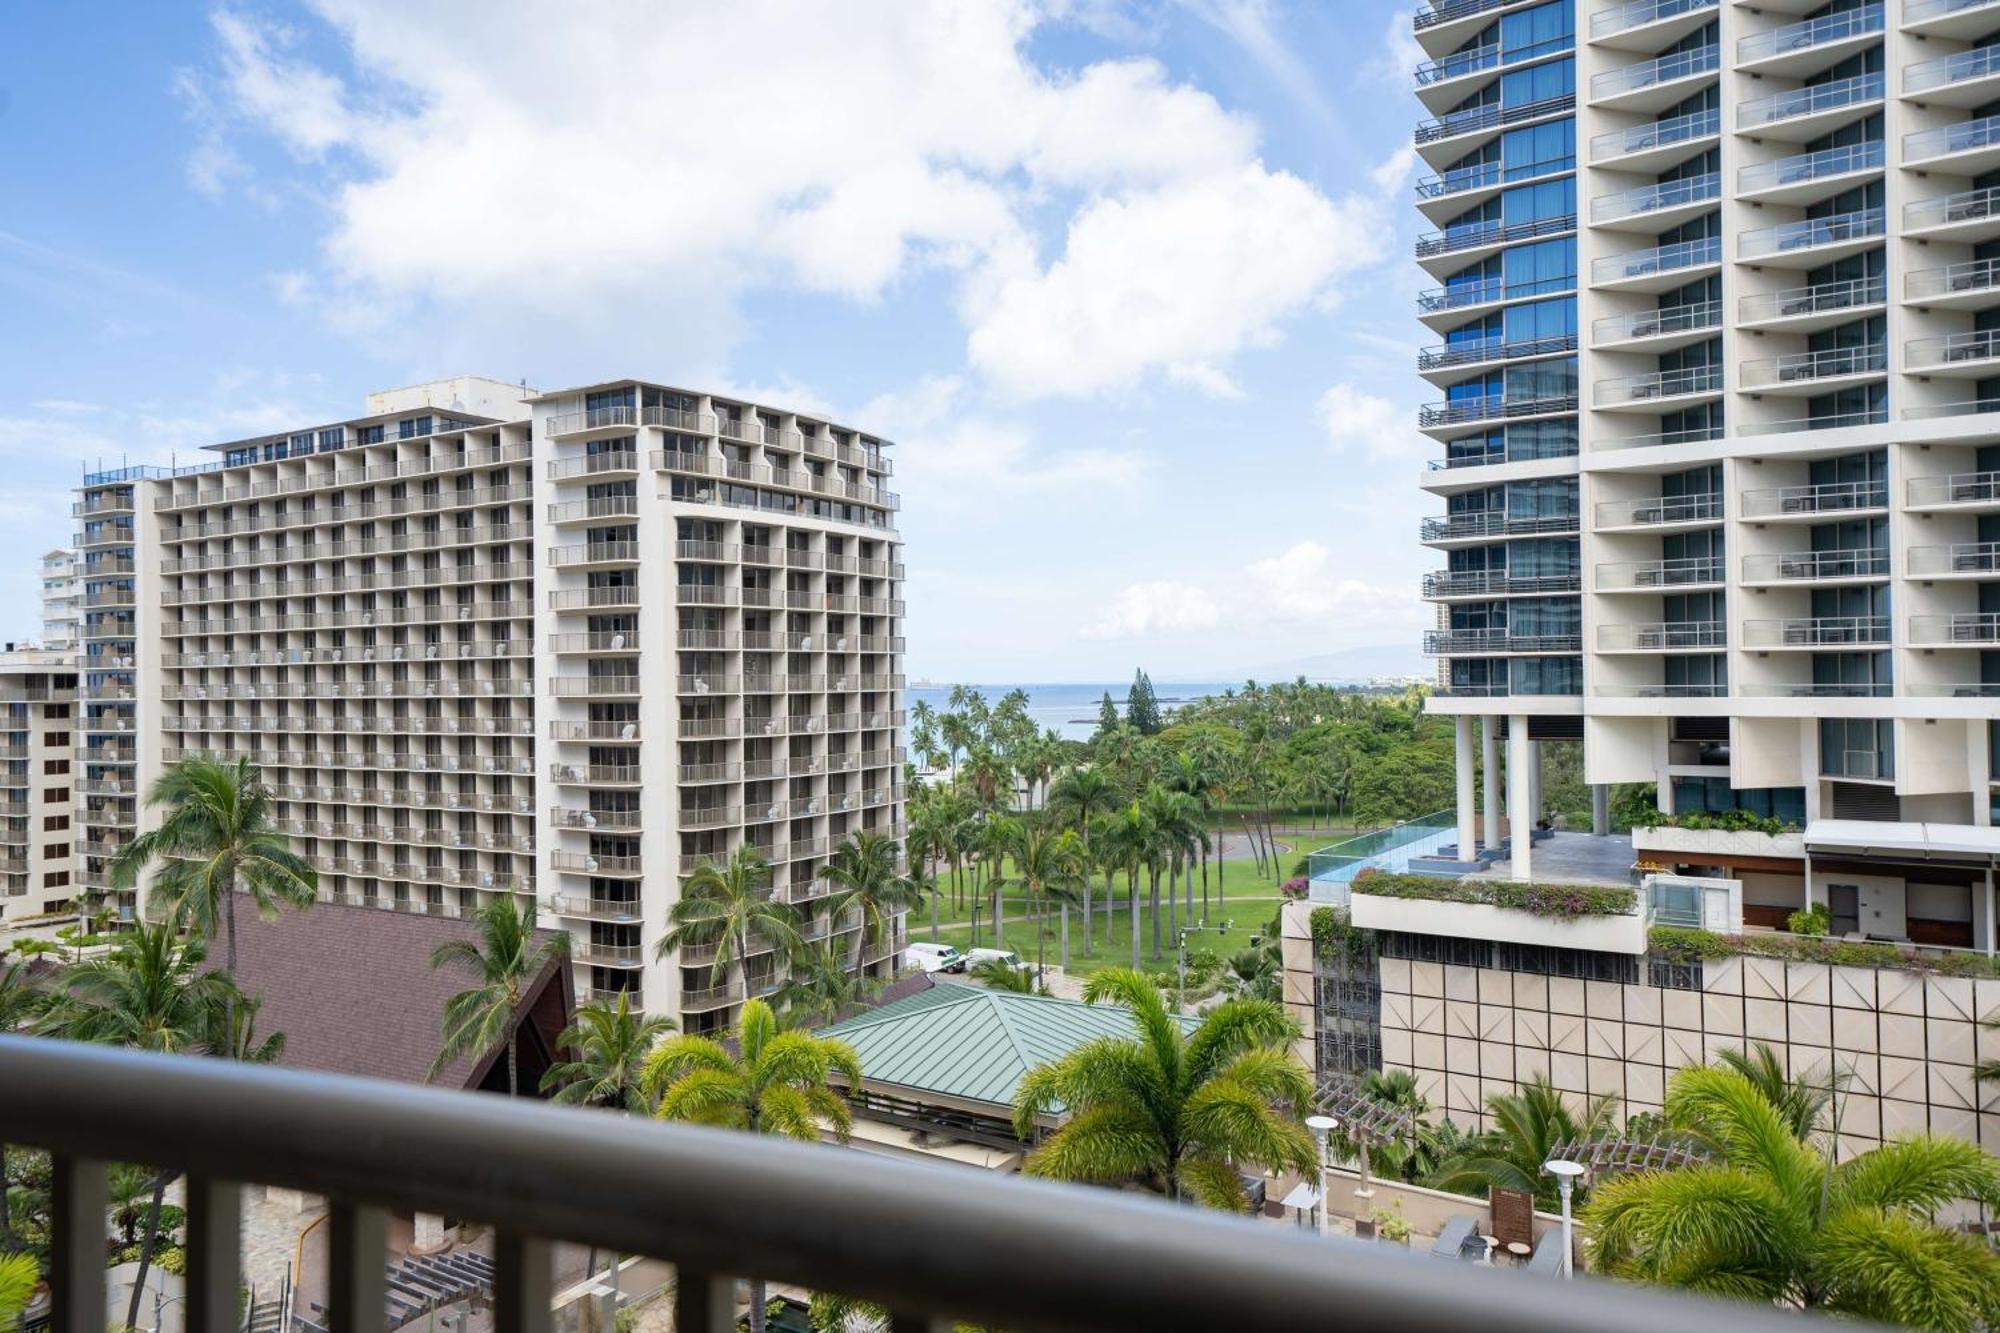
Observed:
{"x":266,"y":558}
{"x":440,"y":613}
{"x":689,"y":639}
{"x":351,"y":724}
{"x":1976,"y":560}
{"x":504,"y":687}
{"x":437,"y":576}
{"x":457,"y":839}
{"x":378,"y":759}
{"x":325,"y":473}
{"x":717,"y":426}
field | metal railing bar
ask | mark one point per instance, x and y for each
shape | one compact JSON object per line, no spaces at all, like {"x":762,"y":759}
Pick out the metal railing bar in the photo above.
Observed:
{"x":76,"y":1243}
{"x":703,"y":1302}
{"x":523,"y":1284}
{"x":1022,"y":1254}
{"x":214,"y":1255}
{"x":357,"y":1253}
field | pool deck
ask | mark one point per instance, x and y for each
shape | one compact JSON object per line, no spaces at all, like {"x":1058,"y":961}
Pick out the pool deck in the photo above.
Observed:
{"x":1562,"y":858}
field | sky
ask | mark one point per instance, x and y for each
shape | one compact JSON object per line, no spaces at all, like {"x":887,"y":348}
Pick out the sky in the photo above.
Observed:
{"x":1126,"y":283}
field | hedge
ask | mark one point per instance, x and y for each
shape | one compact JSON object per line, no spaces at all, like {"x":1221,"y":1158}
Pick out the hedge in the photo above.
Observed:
{"x":1678,"y":944}
{"x":1564,"y":901}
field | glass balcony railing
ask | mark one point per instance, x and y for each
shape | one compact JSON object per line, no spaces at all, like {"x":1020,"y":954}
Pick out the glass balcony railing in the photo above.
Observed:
{"x":1488,"y":291}
{"x":1822,"y":31}
{"x":1808,"y":233}
{"x":1955,"y":488}
{"x":1433,"y":14}
{"x":1495,"y":348}
{"x":1496,"y":523}
{"x":1472,"y":642}
{"x":1654,"y":198}
{"x":1493,"y":116}
{"x":1975,"y":275}
{"x":1497,"y":583}
{"x":1684,"y":435}
{"x":1659,"y":509}
{"x":1816,"y":632}
{"x":1662,"y":635}
{"x":1649,"y":73}
{"x":1809,"y":101}
{"x":1865,"y":416}
{"x":1957,"y":558}
{"x":1638,"y":13}
{"x":1494,"y":458}
{"x":1795,"y":302}
{"x":1922,"y":11}
{"x":1484,"y":174}
{"x":1806,"y":167}
{"x":1689,"y":318}
{"x":1979,"y":63}
{"x":1492,"y":56}
{"x":1858,"y":562}
{"x":1826,"y":363}
{"x":1660,"y":259}
{"x":1473,"y":235}
{"x":1492,"y":406}
{"x":1952,"y":349}
{"x":1642,"y":574}
{"x":1657,"y":384}
{"x":1972,"y":629}
{"x":1832,"y":497}
{"x":1656,"y":134}
{"x":1925,"y":145}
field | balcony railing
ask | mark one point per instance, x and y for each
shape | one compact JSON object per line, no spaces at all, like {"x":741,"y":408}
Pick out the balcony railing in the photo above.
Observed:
{"x":1809,"y":232}
{"x":1482,"y":175}
{"x":1495,"y":348}
{"x":1496,"y":582}
{"x":1433,"y":14}
{"x":1974,"y":275}
{"x":1920,"y":11}
{"x":1463,"y":642}
{"x":1978,"y":629}
{"x":1825,"y":498}
{"x":1978,"y":63}
{"x":1865,"y":416}
{"x":1659,"y":509}
{"x":1648,"y":73}
{"x":1955,"y":488}
{"x":1655,"y":198}
{"x":1494,"y":232}
{"x":1497,"y":523}
{"x":1659,"y":573}
{"x":1945,"y":140}
{"x":1810,"y":166}
{"x":1688,"y":318}
{"x":1662,"y":635}
{"x":1816,"y":632}
{"x":1656,"y":134}
{"x":1808,"y":101}
{"x":1491,"y":407}
{"x":1829,"y":28}
{"x":1978,"y":345}
{"x":1638,"y":13}
{"x":1803,"y":566}
{"x":1949,"y":209}
{"x":1460,"y":63}
{"x":1680,"y":435}
{"x":1826,"y":363}
{"x":1819,"y":299}
{"x":1491,"y":290}
{"x":1659,"y":259}
{"x":1657,"y":384}
{"x":1957,"y":558}
{"x":1474,"y":119}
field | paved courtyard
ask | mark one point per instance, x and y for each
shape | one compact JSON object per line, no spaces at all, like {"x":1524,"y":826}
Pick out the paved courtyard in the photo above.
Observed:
{"x":1580,"y":858}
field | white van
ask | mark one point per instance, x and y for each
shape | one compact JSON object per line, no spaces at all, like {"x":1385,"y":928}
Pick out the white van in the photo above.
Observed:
{"x":1006,"y":957}
{"x":935,"y":957}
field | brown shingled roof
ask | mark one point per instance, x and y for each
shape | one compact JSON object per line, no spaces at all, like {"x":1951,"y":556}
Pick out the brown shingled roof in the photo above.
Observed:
{"x":354,"y":992}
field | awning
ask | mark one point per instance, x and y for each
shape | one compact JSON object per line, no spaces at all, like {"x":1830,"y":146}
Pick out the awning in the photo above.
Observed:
{"x":1905,"y":841}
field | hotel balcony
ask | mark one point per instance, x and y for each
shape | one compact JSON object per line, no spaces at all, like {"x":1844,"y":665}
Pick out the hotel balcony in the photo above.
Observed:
{"x":1648,"y":25}
{"x":1962,"y":79}
{"x":1436,"y":419}
{"x":1659,"y":512}
{"x":1972,"y":285}
{"x":1960,"y":19}
{"x":1658,"y":330}
{"x":1657,"y":208}
{"x":1448,"y":192}
{"x":1434,"y":16}
{"x":1813,"y":632}
{"x":1867,"y":416}
{"x":1654,"y":85}
{"x":1487,"y":525}
{"x":617,"y":911}
{"x":1810,"y":242}
{"x":1683,"y":435}
{"x":585,"y":511}
{"x":1702,"y":690}
{"x":1650,"y":576}
{"x":599,"y":866}
{"x":1800,"y":50}
{"x":1451,"y":136}
{"x":1961,"y":629}
{"x":1672,"y":636}
{"x":1971,"y":492}
{"x":1956,"y":355}
{"x":614,"y":463}
{"x":1808,"y":178}
{"x":1812,"y":503}
{"x":1656,"y":143}
{"x":1657,"y":269}
{"x":1817,"y":689}
{"x":1493,"y":642}
{"x":1959,"y":560}
{"x":1969,"y":148}
{"x":625,"y":641}
{"x":1970,"y":689}
{"x":594,"y":820}
{"x":1448,"y":585}
{"x":1448,"y":306}
{"x":1657,"y":391}
{"x":1809,"y":374}
{"x":595,"y":775}
{"x":1450,"y":362}
{"x":1852,"y":565}
{"x":1463,"y":244}
{"x":1801,"y":115}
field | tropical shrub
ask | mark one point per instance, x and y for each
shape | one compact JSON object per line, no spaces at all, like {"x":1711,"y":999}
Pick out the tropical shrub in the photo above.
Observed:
{"x":1562,"y":901}
{"x":1679,"y":944}
{"x":1814,"y":920}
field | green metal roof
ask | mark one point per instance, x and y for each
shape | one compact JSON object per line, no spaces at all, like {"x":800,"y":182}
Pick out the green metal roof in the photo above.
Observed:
{"x":974,"y":1044}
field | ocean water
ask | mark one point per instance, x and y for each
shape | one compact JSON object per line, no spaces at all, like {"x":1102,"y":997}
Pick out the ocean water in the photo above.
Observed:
{"x":1070,"y":710}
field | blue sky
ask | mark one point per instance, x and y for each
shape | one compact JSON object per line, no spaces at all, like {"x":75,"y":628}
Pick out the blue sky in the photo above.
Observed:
{"x":1126,"y":283}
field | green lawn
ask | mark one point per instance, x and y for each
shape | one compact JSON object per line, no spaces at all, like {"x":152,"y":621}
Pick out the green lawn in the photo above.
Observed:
{"x":1245,"y":916}
{"x":1235,"y":877}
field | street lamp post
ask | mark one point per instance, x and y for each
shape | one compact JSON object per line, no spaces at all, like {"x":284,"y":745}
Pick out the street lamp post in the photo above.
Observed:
{"x":1322,"y":1126}
{"x":1566,"y":1173}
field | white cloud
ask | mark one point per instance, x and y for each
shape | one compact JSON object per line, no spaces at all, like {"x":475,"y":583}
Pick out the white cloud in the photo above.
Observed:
{"x":1301,"y":584}
{"x":628,"y":181}
{"x":1159,"y":607}
{"x":237,"y":404}
{"x":1354,"y":420}
{"x":948,"y":448}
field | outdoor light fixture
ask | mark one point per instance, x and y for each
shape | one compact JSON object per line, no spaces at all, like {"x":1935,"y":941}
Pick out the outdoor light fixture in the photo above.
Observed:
{"x":1565,"y":1172}
{"x":1322,"y":1127}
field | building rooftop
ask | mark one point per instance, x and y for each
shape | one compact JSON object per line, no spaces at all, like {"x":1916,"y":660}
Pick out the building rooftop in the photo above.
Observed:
{"x":971,"y":1044}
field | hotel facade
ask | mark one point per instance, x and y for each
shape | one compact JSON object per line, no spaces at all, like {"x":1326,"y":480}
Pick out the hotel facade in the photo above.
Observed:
{"x":483,"y":640}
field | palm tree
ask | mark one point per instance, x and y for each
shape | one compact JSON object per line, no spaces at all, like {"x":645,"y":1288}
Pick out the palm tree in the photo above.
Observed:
{"x":216,"y":838}
{"x":1180,"y":1112}
{"x":929,"y":842}
{"x":775,"y":1082}
{"x":1083,"y":796}
{"x":1049,"y":863}
{"x":1255,"y":973}
{"x":20,"y":1004}
{"x":1798,"y":1100}
{"x":607,"y":1047}
{"x":1132,"y":837}
{"x":992,"y":841}
{"x":1771,"y":1218}
{"x":506,"y":959}
{"x":722,"y":906}
{"x":18,"y":1276}
{"x":865,"y":879}
{"x":821,"y":988}
{"x":1528,"y":1125}
{"x":999,"y":974}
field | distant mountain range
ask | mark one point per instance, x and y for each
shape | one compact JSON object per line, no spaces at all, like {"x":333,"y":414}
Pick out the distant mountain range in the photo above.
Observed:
{"x":1349,"y":664}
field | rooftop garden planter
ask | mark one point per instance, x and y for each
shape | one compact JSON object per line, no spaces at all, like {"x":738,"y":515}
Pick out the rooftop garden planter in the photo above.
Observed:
{"x":1574,"y":916}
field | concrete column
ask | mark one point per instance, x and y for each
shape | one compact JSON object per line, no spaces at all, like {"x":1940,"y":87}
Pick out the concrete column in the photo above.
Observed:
{"x":1520,"y":805}
{"x":1468,"y":807}
{"x":1600,"y":809}
{"x":428,"y":1234}
{"x":1535,"y":810}
{"x":1982,"y":912}
{"x":1489,"y":745}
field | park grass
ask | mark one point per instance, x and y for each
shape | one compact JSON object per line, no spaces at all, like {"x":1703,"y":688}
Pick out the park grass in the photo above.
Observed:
{"x":1229,"y":931}
{"x":1235,"y":877}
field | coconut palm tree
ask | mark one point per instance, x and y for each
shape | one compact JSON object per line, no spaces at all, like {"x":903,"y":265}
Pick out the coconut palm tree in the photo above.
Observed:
{"x":1771,"y":1218}
{"x":775,"y":1082}
{"x":1799,"y":1100}
{"x":821,"y":988}
{"x":217,"y":838}
{"x":505,"y":958}
{"x":1048,"y":863}
{"x":1083,"y":796}
{"x":1528,"y":1124}
{"x":722,"y":906}
{"x":1132,"y":838}
{"x":928,"y":842}
{"x":865,"y":879}
{"x":993,"y":839}
{"x":999,"y":974}
{"x":607,"y":1045}
{"x":1178,"y":1111}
